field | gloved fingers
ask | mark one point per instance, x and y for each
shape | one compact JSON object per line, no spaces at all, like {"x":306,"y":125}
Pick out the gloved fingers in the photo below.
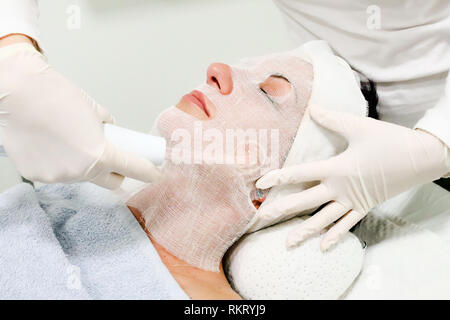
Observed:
{"x":310,"y":171}
{"x":110,"y":181}
{"x":343,"y":226}
{"x":130,"y":165}
{"x":313,"y":225}
{"x":335,"y":121}
{"x":295,"y":203}
{"x":104,"y":115}
{"x":3,"y":95}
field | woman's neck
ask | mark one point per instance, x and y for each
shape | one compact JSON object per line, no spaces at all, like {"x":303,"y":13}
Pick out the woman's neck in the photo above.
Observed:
{"x":197,"y":283}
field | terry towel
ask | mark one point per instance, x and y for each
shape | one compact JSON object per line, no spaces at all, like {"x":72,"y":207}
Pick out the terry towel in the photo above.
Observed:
{"x":76,"y":242}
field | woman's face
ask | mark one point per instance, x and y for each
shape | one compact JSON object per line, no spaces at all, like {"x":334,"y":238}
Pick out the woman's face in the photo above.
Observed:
{"x":219,"y":77}
{"x":201,"y":207}
{"x":257,"y":95}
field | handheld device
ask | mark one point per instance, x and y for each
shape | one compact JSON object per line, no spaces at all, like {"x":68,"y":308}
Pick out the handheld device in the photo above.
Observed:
{"x":150,"y":147}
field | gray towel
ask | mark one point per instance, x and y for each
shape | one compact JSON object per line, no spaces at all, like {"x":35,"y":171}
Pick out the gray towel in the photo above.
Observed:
{"x":76,"y":242}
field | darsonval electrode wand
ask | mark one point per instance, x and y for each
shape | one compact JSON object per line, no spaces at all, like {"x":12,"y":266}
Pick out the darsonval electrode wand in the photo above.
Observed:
{"x":150,"y":147}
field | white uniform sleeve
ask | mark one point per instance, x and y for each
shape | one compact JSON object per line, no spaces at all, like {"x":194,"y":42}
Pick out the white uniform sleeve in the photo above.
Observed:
{"x":437,"y":120}
{"x":19,"y":16}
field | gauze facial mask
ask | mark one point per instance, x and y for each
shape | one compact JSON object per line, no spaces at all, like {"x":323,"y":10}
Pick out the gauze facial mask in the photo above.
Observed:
{"x":204,"y":201}
{"x":335,"y":88}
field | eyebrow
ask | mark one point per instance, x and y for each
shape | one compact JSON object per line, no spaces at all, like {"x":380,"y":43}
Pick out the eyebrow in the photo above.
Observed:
{"x":278,"y":75}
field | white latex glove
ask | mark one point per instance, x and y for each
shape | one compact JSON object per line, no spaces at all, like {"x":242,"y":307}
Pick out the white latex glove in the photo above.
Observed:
{"x":381,"y":161}
{"x":53,"y":131}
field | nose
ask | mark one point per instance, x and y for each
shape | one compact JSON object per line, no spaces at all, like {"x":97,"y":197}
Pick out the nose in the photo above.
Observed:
{"x":219,"y":76}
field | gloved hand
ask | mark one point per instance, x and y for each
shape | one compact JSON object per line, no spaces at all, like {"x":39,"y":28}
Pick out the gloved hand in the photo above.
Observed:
{"x":53,"y":131}
{"x":381,"y":161}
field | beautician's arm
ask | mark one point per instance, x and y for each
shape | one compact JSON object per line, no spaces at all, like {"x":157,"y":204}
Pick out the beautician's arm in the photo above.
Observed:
{"x":19,"y":22}
{"x":19,"y":17}
{"x":437,"y":120}
{"x":18,"y":38}
{"x":52,"y":130}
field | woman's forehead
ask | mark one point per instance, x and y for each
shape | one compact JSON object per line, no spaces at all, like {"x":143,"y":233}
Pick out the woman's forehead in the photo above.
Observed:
{"x":285,"y":64}
{"x":280,"y":60}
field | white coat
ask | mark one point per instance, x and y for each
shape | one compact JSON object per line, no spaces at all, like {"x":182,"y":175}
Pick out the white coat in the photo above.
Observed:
{"x":402,"y":45}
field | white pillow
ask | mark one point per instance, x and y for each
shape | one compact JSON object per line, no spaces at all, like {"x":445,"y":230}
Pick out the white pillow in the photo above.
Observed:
{"x":259,"y":266}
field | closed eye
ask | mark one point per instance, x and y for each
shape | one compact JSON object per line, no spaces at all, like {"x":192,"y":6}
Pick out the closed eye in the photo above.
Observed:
{"x":275,"y":85}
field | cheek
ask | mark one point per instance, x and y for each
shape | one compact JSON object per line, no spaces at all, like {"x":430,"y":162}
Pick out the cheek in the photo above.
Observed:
{"x":246,"y":109}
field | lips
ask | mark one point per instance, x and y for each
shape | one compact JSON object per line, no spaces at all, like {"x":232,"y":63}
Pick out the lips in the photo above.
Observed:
{"x":198,"y":99}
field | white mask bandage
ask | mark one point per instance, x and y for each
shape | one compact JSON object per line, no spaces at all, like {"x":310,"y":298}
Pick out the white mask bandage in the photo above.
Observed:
{"x":204,"y":202}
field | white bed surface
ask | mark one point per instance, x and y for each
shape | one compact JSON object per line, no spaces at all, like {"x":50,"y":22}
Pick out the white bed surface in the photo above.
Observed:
{"x":408,"y":252}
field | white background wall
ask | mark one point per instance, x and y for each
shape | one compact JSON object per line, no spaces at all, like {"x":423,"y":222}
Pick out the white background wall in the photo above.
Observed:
{"x":138,"y":57}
